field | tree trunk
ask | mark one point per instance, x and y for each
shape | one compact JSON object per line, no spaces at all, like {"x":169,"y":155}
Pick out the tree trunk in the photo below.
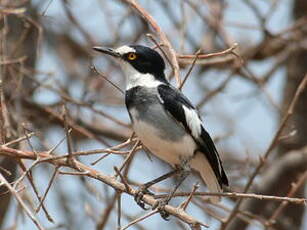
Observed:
{"x":18,"y":40}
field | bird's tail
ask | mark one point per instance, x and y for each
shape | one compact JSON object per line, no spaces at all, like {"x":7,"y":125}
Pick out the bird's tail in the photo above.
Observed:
{"x":201,"y":164}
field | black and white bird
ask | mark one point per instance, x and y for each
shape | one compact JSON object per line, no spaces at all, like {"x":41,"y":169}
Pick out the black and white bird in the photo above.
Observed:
{"x":164,"y":119}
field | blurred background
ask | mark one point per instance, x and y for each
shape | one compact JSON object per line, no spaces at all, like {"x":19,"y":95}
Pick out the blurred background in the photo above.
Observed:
{"x":47,"y":61}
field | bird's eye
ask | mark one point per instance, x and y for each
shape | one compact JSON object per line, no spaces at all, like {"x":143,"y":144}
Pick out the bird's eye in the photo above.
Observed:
{"x":132,"y":56}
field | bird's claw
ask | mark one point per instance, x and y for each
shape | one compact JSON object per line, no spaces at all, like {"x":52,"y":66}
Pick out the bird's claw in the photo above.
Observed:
{"x":139,"y":195}
{"x":160,"y":206}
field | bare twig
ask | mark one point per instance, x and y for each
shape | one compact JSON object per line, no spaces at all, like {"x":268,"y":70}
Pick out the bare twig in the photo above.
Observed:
{"x":27,"y":136}
{"x":106,"y":79}
{"x":190,"y":69}
{"x":48,"y":188}
{"x":299,"y":201}
{"x":130,"y":156}
{"x":111,"y":181}
{"x":153,"y":212}
{"x":21,"y":202}
{"x":119,"y":211}
{"x":282,"y":125}
{"x":212,"y":58}
{"x":284,"y":204}
{"x":185,"y":204}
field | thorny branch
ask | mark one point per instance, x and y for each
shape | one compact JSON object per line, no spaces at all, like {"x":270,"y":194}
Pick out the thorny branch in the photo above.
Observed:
{"x":45,"y":63}
{"x":273,"y":144}
{"x":124,"y":187}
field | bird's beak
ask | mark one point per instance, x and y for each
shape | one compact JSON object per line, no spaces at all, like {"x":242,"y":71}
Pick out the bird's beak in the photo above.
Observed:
{"x":107,"y":51}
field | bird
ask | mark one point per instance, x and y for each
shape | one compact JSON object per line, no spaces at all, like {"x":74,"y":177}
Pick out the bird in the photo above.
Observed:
{"x":164,"y":119}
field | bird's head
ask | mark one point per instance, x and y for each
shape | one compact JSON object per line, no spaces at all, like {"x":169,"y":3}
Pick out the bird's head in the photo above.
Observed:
{"x":139,"y":63}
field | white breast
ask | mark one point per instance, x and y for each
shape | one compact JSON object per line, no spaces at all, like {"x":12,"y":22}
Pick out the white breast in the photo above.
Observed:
{"x":170,"y":151}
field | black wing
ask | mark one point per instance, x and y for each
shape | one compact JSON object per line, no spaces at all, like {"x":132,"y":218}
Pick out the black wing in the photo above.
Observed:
{"x":174,"y":102}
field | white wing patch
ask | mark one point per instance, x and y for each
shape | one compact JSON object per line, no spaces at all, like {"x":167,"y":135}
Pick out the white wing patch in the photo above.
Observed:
{"x":160,"y":98}
{"x":193,"y":121}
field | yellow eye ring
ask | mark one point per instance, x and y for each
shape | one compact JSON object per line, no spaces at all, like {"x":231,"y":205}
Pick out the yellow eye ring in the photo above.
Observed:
{"x":131,"y":56}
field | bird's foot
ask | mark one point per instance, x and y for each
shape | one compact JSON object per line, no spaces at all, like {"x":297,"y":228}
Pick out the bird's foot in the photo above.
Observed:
{"x":139,"y":195}
{"x":160,"y":206}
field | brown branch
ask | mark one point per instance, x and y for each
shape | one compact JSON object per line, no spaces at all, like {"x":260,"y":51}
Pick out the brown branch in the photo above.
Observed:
{"x":130,"y":155}
{"x":20,"y":139}
{"x":185,"y":204}
{"x":111,"y":181}
{"x":284,"y":121}
{"x":107,"y":212}
{"x":190,"y":69}
{"x":2,"y":110}
{"x":21,"y":202}
{"x":283,"y":172}
{"x":216,"y":58}
{"x":106,"y":79}
{"x":284,"y":204}
{"x":30,"y":178}
{"x":153,"y":212}
{"x":230,"y":50}
{"x":299,"y":201}
{"x":41,"y":203}
{"x":13,"y":61}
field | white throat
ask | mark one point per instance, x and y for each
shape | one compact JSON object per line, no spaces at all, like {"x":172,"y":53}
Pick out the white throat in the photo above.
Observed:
{"x":135,"y":78}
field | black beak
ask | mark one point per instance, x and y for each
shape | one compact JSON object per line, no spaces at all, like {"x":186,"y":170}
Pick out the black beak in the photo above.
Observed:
{"x":107,"y":51}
